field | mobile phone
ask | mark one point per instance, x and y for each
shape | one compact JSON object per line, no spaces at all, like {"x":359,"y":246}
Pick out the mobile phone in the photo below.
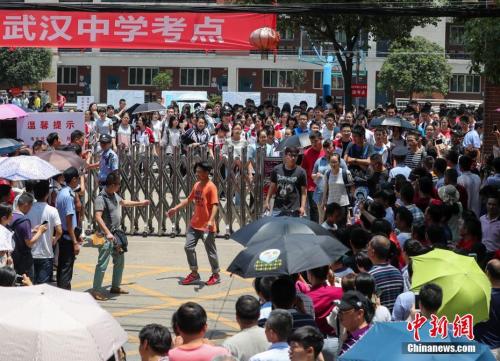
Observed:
{"x":417,"y":301}
{"x":19,"y":280}
{"x":439,"y":141}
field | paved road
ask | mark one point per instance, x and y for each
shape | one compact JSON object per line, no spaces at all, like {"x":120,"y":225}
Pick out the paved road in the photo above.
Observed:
{"x":153,"y":268}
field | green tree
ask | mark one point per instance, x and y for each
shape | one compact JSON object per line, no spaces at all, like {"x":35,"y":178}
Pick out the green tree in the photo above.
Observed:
{"x":482,"y":39}
{"x":332,"y":27}
{"x":299,"y":78}
{"x":24,"y":66}
{"x":415,"y":65}
{"x":163,"y":80}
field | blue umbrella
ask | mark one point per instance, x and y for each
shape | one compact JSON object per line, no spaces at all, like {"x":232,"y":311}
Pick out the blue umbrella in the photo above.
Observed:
{"x":386,"y":341}
{"x":8,"y":145}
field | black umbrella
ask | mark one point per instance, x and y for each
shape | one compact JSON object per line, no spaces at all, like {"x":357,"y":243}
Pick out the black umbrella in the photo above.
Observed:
{"x":8,"y":145}
{"x":391,"y":122}
{"x":287,"y":254}
{"x":132,"y":109}
{"x":149,"y":108}
{"x":267,"y":228}
{"x":299,"y":141}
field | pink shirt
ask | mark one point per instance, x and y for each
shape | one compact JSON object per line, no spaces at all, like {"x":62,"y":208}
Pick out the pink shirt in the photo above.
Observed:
{"x":323,"y":297}
{"x":203,"y":353}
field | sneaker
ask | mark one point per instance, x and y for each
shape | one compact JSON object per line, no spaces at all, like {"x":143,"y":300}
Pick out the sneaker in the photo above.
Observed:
{"x":213,"y":280}
{"x":190,"y":279}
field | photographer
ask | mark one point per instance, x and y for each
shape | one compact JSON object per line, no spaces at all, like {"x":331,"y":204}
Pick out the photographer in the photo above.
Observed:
{"x":9,"y":278}
{"x":108,"y":217}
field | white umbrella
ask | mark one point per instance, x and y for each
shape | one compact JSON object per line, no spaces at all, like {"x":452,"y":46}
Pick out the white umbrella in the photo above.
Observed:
{"x":45,"y":323}
{"x":25,"y":167}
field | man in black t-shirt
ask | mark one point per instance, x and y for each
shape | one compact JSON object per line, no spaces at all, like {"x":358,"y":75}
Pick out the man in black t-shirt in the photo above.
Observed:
{"x":288,"y":183}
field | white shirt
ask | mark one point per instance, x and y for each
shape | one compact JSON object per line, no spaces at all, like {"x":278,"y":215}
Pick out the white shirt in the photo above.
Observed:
{"x":337,"y":191}
{"x":156,"y":126}
{"x":382,"y":314}
{"x":39,"y":213}
{"x":369,"y":136}
{"x":6,"y":239}
{"x":277,"y":352}
{"x":404,"y":170}
{"x":472,"y":183}
{"x":124,"y":134}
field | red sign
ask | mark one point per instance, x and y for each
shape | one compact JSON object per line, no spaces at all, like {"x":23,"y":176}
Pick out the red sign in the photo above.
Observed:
{"x":177,"y":30}
{"x":359,"y":90}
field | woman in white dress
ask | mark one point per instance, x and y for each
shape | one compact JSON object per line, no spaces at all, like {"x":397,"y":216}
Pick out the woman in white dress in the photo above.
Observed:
{"x":156,"y":127}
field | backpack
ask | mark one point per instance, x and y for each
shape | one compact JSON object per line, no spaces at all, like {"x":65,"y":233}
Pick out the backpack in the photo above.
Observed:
{"x":346,"y":182}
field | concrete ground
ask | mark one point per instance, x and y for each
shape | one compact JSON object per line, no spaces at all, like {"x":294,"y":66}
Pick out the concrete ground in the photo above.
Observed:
{"x":153,"y":268}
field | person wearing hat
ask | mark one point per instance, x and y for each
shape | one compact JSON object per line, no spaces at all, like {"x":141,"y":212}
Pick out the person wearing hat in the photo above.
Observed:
{"x":399,"y":157}
{"x":356,"y":313}
{"x":109,"y":159}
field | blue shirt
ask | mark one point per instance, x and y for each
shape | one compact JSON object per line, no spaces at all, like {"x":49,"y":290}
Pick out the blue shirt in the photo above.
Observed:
{"x":65,"y":204}
{"x":299,"y":130}
{"x":472,"y":138}
{"x":107,"y":164}
{"x":277,"y":352}
{"x":402,"y":306}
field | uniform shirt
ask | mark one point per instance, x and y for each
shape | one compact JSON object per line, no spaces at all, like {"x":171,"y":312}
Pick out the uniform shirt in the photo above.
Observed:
{"x":400,"y":169}
{"x":472,"y":138}
{"x":65,"y":204}
{"x":107,"y":164}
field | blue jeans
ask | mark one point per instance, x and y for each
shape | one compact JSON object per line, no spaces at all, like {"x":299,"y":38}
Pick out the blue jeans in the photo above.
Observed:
{"x":43,"y":270}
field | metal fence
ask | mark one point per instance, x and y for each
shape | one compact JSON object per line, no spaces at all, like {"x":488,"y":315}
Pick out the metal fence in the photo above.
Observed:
{"x":167,"y":178}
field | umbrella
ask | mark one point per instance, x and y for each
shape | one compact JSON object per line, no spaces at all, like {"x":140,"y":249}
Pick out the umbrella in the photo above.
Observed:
{"x":47,"y":323}
{"x":267,"y":228}
{"x":299,"y":141}
{"x":393,"y":337}
{"x":8,"y":111}
{"x":8,"y":145}
{"x":287,"y":254}
{"x":391,"y":122}
{"x":25,"y":167}
{"x":149,"y":108}
{"x":62,"y":160}
{"x":466,"y":289}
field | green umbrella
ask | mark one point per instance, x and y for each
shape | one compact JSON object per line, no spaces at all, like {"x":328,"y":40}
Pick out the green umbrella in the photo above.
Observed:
{"x":466,"y":289}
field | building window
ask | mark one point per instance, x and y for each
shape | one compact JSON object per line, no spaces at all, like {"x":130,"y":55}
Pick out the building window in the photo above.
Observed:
{"x":287,"y":34}
{"x":465,"y":83}
{"x":277,"y":78}
{"x":141,"y":76}
{"x":337,"y":81}
{"x":457,"y":35}
{"x":195,"y":77}
{"x":66,"y":75}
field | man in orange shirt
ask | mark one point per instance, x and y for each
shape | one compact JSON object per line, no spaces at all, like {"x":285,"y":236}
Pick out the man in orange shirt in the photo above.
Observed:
{"x":205,"y":197}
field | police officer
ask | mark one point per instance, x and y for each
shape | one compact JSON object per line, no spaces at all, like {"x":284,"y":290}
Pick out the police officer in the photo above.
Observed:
{"x":108,"y":162}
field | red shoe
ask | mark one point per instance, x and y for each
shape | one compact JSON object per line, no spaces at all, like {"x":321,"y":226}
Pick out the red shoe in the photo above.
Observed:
{"x":190,"y":279}
{"x":213,"y":280}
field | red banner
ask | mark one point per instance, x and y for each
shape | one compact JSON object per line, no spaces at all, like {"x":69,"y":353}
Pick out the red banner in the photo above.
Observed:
{"x":359,"y":90}
{"x":177,"y":30}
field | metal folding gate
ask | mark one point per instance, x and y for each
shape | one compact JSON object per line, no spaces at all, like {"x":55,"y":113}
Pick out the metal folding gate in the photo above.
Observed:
{"x":167,"y":178}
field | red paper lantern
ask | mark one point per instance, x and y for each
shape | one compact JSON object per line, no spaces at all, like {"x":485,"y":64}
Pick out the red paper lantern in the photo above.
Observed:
{"x":265,"y":38}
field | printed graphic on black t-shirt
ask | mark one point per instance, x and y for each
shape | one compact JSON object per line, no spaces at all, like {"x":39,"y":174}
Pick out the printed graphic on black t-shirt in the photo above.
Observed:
{"x":289,"y":183}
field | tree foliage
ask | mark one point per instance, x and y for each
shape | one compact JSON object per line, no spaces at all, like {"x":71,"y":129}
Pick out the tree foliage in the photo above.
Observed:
{"x":415,"y":65}
{"x":482,"y":39}
{"x":327,"y":27}
{"x":24,"y":66}
{"x":163,"y":80}
{"x":299,"y":78}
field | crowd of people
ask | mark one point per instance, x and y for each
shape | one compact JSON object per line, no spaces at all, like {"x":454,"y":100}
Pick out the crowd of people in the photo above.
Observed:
{"x":389,"y":193}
